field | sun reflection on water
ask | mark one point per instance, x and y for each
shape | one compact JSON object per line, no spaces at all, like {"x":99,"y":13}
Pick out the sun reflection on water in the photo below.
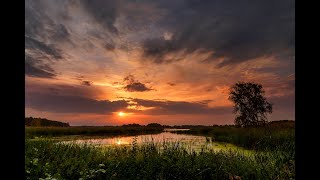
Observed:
{"x":191,"y":142}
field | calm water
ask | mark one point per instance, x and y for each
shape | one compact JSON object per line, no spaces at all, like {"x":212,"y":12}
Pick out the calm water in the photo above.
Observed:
{"x":190,"y":141}
{"x":140,"y":139}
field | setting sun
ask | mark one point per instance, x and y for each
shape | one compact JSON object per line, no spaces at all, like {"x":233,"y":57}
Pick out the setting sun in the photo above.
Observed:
{"x":121,"y":114}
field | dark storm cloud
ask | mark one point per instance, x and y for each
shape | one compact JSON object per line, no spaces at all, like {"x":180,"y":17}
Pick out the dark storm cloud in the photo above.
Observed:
{"x":41,"y":35}
{"x":38,"y":58}
{"x":55,"y":102}
{"x":35,"y":68}
{"x":62,"y":89}
{"x":34,"y":19}
{"x":61,"y":32}
{"x":39,"y":24}
{"x":156,"y":49}
{"x":180,"y":107}
{"x":235,"y":30}
{"x":133,"y":85}
{"x":72,"y":104}
{"x":32,"y":70}
{"x":50,"y":50}
{"x":104,"y":12}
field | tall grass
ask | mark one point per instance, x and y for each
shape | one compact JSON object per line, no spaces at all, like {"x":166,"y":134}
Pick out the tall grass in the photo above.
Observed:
{"x":257,"y":138}
{"x":47,"y":159}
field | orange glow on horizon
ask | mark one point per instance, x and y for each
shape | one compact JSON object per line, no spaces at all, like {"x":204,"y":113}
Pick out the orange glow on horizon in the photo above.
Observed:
{"x":121,"y":114}
{"x":118,"y":142}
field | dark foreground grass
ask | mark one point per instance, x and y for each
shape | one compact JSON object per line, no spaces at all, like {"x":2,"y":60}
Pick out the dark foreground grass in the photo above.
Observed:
{"x":47,"y":159}
{"x":32,"y":132}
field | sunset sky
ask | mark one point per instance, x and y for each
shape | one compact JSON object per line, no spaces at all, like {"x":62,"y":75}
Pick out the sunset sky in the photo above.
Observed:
{"x":164,"y":61}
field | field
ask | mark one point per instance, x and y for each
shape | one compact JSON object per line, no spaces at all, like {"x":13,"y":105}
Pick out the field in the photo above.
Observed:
{"x":272,"y":157}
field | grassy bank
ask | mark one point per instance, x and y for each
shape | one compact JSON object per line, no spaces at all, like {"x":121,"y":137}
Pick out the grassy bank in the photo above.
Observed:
{"x":46,"y":159}
{"x":32,"y":132}
{"x":273,"y":137}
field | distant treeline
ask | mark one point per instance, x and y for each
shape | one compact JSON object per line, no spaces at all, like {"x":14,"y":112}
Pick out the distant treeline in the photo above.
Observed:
{"x":279,"y":123}
{"x":138,"y":125}
{"x":42,"y":122}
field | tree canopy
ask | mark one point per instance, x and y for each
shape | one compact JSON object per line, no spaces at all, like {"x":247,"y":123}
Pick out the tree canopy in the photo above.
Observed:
{"x":250,"y":105}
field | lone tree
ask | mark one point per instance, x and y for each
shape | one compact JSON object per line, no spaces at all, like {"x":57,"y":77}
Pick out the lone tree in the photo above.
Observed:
{"x":250,"y":106}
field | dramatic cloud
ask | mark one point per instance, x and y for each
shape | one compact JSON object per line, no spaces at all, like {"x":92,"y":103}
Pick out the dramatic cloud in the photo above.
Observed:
{"x":54,"y":86}
{"x":31,"y":70}
{"x":104,"y":11}
{"x":134,"y":85}
{"x":34,"y":44}
{"x":39,"y":23}
{"x":40,"y":32}
{"x":158,"y":107}
{"x":157,"y":60}
{"x":38,"y":70}
{"x":232,"y":30}
{"x":72,"y":104}
{"x":76,"y":104}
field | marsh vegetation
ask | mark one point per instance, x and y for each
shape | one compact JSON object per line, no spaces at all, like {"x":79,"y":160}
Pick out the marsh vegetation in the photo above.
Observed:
{"x":271,"y":153}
